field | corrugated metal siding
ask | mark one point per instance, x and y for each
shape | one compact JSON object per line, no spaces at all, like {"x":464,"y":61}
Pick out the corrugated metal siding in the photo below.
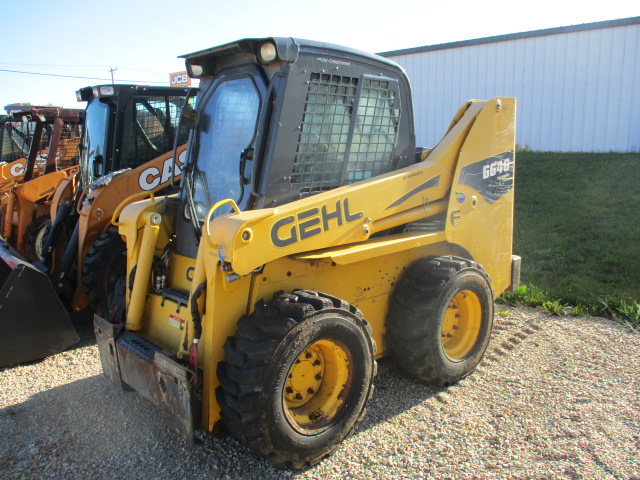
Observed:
{"x":577,"y":91}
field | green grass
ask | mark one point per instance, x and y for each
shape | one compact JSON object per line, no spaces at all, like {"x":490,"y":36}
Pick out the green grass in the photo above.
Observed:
{"x":577,"y":228}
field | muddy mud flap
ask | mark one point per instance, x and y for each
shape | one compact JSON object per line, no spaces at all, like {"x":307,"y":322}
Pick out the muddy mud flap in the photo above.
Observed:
{"x":132,"y":362}
{"x":33,"y":322}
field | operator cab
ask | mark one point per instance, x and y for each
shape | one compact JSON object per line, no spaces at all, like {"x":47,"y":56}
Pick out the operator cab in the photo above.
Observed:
{"x":126,"y":126}
{"x":280,"y":119}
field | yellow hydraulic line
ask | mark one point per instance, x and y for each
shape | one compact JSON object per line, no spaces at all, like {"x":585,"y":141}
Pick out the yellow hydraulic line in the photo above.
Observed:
{"x":143,"y":270}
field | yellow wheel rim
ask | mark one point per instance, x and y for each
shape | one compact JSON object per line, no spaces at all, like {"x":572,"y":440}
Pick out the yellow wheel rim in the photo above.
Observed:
{"x":317,"y":385}
{"x":461,"y":325}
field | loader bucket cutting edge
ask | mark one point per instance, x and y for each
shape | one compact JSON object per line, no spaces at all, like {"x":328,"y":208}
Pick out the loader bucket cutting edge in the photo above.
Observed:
{"x":33,"y":322}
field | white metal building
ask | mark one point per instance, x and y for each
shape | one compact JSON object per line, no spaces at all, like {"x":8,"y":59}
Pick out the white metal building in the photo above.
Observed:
{"x":578,"y":87}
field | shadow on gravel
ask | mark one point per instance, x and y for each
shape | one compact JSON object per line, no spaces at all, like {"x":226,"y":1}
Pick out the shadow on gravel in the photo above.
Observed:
{"x":394,"y":394}
{"x":90,"y":429}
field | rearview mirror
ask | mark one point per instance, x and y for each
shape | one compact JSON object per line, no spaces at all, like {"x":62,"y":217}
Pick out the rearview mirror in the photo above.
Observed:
{"x":189,"y":117}
{"x":98,"y":166}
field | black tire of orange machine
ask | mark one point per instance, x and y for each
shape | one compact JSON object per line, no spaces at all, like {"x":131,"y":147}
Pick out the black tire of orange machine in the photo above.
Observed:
{"x":104,"y":264}
{"x":34,"y":238}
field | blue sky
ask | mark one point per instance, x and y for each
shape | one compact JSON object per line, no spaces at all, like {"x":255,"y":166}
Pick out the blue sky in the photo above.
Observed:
{"x":85,"y":38}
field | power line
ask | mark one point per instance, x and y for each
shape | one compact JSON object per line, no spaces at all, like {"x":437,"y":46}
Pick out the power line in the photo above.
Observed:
{"x":53,"y":65}
{"x":86,"y":67}
{"x":93,"y":67}
{"x":73,"y":76}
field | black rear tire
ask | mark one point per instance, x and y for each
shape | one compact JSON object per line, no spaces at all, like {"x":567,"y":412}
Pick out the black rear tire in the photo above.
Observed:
{"x":297,"y":376}
{"x":440,"y":319}
{"x":104,"y":264}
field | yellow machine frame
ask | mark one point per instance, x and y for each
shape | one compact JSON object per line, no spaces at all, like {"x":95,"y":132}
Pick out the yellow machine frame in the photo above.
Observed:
{"x":328,"y":242}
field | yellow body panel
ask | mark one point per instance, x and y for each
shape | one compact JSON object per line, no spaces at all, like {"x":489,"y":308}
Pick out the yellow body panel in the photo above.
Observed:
{"x":486,"y":229}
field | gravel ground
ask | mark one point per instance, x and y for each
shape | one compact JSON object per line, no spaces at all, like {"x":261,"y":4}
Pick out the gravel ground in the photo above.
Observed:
{"x":554,"y":398}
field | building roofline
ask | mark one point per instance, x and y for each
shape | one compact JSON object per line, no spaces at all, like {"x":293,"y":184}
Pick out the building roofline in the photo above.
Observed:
{"x":622,"y":22}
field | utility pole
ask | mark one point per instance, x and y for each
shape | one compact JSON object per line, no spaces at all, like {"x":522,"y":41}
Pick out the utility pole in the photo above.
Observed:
{"x":111,"y":70}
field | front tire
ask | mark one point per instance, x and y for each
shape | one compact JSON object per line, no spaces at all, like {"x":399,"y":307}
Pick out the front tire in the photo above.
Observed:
{"x":297,"y":376}
{"x":440,"y":319}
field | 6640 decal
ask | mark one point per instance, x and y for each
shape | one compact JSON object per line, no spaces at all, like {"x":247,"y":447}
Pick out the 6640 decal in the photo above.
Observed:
{"x":497,"y":167}
{"x":491,"y":177}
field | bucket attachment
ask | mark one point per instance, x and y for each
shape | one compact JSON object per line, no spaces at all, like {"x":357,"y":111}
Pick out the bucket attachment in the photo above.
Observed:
{"x":33,"y":322}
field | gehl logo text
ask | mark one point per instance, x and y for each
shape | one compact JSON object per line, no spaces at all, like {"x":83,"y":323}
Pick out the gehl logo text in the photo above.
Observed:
{"x":311,"y":222}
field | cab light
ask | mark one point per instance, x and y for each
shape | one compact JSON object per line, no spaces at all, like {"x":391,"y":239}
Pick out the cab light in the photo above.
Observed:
{"x":268,"y":52}
{"x":195,"y":71}
{"x":106,"y":90}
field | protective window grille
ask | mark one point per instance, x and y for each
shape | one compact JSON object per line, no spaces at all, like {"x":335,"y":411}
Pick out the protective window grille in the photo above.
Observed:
{"x":374,"y":135}
{"x":332,"y":133}
{"x":42,"y":148}
{"x":324,"y":134}
{"x":68,"y":153}
{"x":15,"y":141}
{"x":149,"y":129}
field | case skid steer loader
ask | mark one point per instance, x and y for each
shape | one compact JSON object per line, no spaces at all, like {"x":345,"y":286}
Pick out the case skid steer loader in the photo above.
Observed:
{"x":129,"y":132}
{"x":309,"y":238}
{"x":129,"y":135}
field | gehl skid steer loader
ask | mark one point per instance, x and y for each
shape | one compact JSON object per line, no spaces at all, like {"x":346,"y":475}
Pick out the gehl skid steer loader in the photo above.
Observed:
{"x":309,"y":238}
{"x":129,"y":132}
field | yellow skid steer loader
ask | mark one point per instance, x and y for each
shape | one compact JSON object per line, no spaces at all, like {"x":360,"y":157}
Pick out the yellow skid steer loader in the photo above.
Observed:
{"x":309,"y":238}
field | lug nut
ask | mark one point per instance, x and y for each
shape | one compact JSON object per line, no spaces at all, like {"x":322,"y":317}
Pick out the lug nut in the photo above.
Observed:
{"x":289,"y":390}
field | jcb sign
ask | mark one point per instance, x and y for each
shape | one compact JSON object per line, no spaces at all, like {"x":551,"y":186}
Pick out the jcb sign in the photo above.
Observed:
{"x":180,"y":79}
